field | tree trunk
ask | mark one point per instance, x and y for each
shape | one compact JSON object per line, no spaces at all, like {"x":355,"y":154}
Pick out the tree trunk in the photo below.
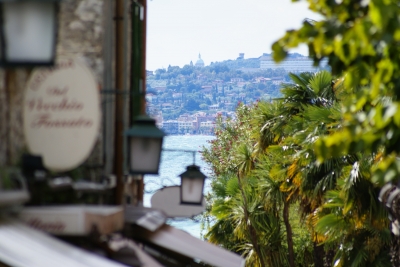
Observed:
{"x":319,"y":255}
{"x":289,"y":233}
{"x":329,"y":256}
{"x":250,"y":228}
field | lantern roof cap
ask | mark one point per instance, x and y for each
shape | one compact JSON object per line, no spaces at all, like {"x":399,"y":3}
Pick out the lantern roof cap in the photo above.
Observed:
{"x":145,"y":126}
{"x":193,"y":171}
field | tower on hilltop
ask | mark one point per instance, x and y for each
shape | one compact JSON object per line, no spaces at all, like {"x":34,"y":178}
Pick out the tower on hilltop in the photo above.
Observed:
{"x":199,"y":62}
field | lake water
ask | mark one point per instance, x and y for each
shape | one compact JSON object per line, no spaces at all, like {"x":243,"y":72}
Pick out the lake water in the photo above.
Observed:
{"x":173,"y":163}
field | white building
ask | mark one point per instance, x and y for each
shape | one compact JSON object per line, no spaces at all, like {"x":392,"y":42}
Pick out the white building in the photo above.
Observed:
{"x":199,"y":62}
{"x":207,"y":124}
{"x":291,"y":64}
{"x":185,"y":126}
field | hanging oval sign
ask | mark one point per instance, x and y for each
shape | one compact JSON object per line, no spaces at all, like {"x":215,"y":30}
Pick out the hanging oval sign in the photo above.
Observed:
{"x":62,"y":114}
{"x":168,"y":200}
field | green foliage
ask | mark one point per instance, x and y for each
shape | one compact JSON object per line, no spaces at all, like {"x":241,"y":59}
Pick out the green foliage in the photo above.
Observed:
{"x":328,"y":144}
{"x":360,"y":40}
{"x":266,"y":160}
{"x":191,"y":105}
{"x":301,"y":237}
{"x":229,"y":135}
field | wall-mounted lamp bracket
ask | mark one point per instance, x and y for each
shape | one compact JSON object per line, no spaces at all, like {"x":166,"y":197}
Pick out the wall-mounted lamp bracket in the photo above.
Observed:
{"x":120,"y":92}
{"x":192,"y":181}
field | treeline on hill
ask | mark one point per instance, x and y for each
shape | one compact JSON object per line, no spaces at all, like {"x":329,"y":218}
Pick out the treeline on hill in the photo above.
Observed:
{"x":225,"y":70}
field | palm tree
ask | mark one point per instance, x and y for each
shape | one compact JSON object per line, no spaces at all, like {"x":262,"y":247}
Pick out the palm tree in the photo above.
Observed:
{"x":338,"y":196}
{"x":275,"y":165}
{"x":244,"y":167}
{"x":254,"y":227}
{"x":234,"y":217}
{"x":286,"y":130}
{"x":277,"y":195}
{"x":353,"y":220}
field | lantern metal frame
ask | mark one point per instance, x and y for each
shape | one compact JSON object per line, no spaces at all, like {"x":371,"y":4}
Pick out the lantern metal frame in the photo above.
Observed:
{"x":11,"y":63}
{"x":192,"y":172}
{"x":144,"y":127}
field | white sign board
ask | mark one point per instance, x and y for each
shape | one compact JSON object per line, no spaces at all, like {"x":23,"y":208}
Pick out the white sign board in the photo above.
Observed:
{"x":168,"y":200}
{"x":62,"y":114}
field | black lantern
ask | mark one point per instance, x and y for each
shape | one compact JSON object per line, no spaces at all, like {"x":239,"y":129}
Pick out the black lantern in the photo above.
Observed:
{"x":28,"y":32}
{"x":145,"y":145}
{"x":192,"y":185}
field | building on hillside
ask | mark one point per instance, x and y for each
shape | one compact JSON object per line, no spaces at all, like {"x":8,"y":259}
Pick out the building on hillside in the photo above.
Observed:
{"x":185,"y":126}
{"x":214,"y":107}
{"x":160,"y":89}
{"x":198,"y":119}
{"x":199,"y":62}
{"x":240,"y":84}
{"x":200,"y":114}
{"x":170,"y":126}
{"x":277,"y":80}
{"x":150,"y":97}
{"x":206,"y":88}
{"x":206,"y":127}
{"x":177,"y":97}
{"x":152,"y":109}
{"x":291,"y":64}
{"x":185,"y":117}
{"x":237,"y":79}
{"x":167,"y":107}
{"x":261,"y":80}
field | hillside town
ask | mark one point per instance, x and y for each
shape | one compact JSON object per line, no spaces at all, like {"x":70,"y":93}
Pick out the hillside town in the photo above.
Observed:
{"x":187,"y":100}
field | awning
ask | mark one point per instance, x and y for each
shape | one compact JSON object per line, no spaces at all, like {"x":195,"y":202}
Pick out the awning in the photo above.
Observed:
{"x":130,"y":253}
{"x":181,"y":243}
{"x":22,"y":246}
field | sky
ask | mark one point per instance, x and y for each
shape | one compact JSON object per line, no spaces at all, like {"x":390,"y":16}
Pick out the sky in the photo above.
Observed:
{"x":179,"y":30}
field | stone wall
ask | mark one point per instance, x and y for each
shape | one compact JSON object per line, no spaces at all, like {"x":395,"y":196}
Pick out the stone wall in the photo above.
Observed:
{"x":81,"y":35}
{"x":12,"y":143}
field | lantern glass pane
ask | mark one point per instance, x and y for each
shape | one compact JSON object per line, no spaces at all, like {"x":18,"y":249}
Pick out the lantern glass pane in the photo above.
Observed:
{"x":29,"y":31}
{"x":192,"y":190}
{"x":145,"y":155}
